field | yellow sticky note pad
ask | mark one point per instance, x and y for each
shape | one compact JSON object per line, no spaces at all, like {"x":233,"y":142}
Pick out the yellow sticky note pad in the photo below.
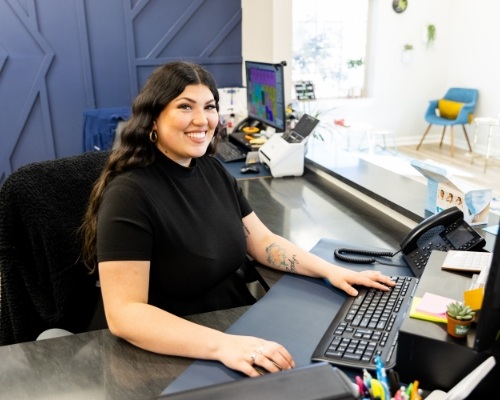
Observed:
{"x":414,"y":313}
{"x":474,"y":298}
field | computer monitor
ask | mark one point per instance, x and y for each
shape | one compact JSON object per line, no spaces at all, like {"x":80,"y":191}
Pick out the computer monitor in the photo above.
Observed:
{"x":488,"y":326}
{"x":265,"y":85}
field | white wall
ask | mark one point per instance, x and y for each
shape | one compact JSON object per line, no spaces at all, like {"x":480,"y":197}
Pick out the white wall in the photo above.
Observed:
{"x":465,"y":54}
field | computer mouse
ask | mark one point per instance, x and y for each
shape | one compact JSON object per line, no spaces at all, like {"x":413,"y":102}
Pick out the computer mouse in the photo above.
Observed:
{"x":249,"y":169}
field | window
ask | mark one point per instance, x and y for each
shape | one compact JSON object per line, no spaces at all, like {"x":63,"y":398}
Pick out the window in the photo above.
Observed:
{"x":329,"y":45}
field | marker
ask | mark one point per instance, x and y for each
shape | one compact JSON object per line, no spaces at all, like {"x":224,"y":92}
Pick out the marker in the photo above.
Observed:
{"x":414,"y":391}
{"x":408,"y":390}
{"x":382,"y":376}
{"x":367,"y":378}
{"x":377,"y":390}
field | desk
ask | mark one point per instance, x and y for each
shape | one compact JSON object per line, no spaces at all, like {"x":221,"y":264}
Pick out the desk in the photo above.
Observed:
{"x":93,"y":365}
{"x":96,"y":365}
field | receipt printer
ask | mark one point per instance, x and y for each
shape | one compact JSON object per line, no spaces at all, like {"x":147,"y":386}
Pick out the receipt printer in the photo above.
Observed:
{"x":283,"y":158}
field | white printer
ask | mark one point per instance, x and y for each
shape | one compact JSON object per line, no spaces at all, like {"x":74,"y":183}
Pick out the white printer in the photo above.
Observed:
{"x":284,"y":154}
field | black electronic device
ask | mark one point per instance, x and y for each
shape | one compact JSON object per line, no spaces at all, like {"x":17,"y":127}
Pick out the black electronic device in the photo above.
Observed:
{"x":443,"y":231}
{"x":249,"y":169}
{"x":229,"y":152}
{"x":265,"y":84}
{"x":302,"y":130}
{"x":366,"y":326}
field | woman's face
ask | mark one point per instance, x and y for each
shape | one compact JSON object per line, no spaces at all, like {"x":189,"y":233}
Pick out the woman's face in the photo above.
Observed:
{"x":187,"y":124}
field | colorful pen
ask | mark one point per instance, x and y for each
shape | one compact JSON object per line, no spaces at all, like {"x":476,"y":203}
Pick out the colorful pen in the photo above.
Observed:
{"x":408,"y":390}
{"x":414,"y":390}
{"x":366,"y":377}
{"x":377,"y":390}
{"x":382,"y":376}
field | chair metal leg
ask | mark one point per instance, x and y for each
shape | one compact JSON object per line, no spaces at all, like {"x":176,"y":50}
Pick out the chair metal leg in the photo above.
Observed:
{"x":467,"y":138}
{"x":424,"y":135}
{"x":442,"y":137}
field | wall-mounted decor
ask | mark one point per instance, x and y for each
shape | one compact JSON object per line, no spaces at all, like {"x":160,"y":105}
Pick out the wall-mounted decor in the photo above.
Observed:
{"x":407,"y":51}
{"x":399,"y":5}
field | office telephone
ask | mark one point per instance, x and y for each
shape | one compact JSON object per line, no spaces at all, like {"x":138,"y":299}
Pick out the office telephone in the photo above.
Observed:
{"x":443,"y":231}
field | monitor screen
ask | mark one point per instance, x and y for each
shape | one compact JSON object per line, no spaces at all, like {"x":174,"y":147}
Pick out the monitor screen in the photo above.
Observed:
{"x":265,"y":93}
{"x":488,"y":326}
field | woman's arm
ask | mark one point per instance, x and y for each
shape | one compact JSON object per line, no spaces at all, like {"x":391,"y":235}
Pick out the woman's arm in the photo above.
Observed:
{"x":124,"y":286}
{"x":276,"y":252}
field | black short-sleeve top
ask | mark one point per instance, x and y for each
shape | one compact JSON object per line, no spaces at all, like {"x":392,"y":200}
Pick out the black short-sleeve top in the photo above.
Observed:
{"x":188,"y":223}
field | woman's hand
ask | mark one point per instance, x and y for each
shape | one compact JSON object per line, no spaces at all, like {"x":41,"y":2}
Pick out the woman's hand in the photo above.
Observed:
{"x":344,"y":279}
{"x":244,"y":353}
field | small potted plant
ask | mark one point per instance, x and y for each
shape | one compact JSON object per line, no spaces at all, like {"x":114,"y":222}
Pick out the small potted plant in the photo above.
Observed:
{"x":460,"y":317}
{"x":407,"y":48}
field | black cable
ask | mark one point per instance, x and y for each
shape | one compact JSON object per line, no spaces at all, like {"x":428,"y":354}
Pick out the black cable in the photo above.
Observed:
{"x":341,"y":252}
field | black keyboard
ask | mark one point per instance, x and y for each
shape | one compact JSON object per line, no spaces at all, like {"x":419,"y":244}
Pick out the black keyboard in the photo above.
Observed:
{"x":366,"y":326}
{"x":228,"y":152}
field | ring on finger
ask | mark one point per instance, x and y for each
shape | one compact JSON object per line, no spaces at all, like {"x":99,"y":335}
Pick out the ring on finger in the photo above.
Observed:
{"x":261,"y":350}
{"x":253,"y":357}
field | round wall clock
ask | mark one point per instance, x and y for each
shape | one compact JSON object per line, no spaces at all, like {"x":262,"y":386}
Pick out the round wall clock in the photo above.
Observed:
{"x":399,"y":5}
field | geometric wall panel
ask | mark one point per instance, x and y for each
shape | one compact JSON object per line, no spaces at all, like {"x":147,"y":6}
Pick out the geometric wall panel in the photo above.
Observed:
{"x":59,"y":58}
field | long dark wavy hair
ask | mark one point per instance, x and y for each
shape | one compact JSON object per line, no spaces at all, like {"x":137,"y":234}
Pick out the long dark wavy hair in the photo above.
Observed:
{"x":135,"y":149}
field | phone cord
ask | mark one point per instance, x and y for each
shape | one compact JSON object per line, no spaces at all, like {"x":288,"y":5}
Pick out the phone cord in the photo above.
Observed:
{"x":341,"y":254}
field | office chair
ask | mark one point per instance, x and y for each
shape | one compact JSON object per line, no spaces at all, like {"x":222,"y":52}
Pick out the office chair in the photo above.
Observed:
{"x":43,"y":284}
{"x":455,"y":108}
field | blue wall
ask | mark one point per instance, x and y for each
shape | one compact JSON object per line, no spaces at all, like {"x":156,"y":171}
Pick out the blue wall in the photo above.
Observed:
{"x":61,"y":57}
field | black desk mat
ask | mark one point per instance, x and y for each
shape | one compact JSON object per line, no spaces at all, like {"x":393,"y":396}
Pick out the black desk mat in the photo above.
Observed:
{"x":295,"y":312}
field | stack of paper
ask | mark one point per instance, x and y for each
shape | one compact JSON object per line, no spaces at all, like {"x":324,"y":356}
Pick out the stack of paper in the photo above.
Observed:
{"x":430,"y":307}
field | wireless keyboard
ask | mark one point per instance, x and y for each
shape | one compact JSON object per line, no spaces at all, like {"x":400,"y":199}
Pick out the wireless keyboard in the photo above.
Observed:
{"x":366,"y":326}
{"x":229,"y":152}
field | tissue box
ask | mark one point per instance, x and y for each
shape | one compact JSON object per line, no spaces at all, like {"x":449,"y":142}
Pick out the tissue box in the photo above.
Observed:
{"x":445,"y":191}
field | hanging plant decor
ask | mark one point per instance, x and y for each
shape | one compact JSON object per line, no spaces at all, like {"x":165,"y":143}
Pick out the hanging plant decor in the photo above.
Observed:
{"x":431,"y":34}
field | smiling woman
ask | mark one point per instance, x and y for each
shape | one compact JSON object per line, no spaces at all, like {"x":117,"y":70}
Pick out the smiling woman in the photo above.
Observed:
{"x":169,"y":229}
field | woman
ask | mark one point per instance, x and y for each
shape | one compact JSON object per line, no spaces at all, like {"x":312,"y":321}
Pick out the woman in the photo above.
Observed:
{"x":168,"y":227}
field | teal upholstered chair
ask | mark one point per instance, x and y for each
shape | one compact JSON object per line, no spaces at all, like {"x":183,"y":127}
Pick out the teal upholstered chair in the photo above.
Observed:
{"x":455,"y":108}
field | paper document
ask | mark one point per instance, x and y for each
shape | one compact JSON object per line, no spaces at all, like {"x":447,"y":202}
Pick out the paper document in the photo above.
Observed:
{"x":467,"y":261}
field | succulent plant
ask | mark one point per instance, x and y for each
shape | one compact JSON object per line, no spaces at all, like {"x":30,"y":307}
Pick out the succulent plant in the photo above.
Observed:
{"x":460,"y":311}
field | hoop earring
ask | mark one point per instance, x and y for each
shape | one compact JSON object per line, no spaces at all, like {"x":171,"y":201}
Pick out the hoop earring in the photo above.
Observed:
{"x":153,"y":136}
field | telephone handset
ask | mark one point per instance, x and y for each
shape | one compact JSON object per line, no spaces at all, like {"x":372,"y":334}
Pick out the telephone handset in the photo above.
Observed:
{"x":444,"y":231}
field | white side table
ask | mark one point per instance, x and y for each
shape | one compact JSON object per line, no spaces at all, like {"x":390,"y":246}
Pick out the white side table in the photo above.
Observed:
{"x":350,"y":128}
{"x":385,"y":134}
{"x":490,"y":123}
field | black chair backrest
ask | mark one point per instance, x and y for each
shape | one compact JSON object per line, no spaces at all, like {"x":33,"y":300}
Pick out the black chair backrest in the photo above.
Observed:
{"x":43,"y":284}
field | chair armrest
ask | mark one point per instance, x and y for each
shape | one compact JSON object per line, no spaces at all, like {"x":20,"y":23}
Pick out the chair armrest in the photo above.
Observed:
{"x":431,"y":109}
{"x":463,"y":115}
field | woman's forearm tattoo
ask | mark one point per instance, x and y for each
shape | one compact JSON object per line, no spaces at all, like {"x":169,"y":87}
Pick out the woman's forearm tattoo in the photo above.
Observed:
{"x":276,"y":256}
